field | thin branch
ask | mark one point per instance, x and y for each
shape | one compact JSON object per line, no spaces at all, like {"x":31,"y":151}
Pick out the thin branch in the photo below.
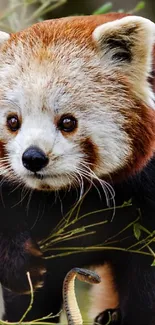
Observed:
{"x":31,"y":300}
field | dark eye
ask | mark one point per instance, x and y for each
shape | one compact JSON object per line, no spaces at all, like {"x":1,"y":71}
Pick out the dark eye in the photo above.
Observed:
{"x":13,"y":123}
{"x":67,"y":123}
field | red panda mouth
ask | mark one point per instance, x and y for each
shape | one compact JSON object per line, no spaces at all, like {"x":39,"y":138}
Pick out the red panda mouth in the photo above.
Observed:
{"x":39,"y":176}
{"x":47,"y":176}
{"x":46,"y":181}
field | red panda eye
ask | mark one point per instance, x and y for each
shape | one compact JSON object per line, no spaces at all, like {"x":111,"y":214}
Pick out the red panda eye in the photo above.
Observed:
{"x":13,"y":123}
{"x":67,"y":123}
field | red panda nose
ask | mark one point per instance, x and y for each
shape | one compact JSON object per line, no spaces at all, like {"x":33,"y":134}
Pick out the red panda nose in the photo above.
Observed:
{"x":34,"y":159}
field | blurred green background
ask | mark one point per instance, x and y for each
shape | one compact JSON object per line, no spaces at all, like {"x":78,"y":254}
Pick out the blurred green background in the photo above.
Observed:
{"x":17,"y":14}
{"x":88,"y":6}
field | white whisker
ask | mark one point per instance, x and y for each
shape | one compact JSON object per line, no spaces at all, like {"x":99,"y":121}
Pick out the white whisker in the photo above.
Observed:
{"x":87,"y":173}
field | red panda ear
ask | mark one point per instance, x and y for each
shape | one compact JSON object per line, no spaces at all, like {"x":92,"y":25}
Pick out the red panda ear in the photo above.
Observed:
{"x":126,"y":45}
{"x":3,"y":37}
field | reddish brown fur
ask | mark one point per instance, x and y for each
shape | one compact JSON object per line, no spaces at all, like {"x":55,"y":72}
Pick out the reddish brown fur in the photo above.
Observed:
{"x":145,"y":133}
{"x":142,"y":135}
{"x":91,"y":152}
{"x":32,"y":249}
{"x":2,"y":153}
{"x":140,"y":126}
{"x":72,"y":29}
{"x":2,"y":150}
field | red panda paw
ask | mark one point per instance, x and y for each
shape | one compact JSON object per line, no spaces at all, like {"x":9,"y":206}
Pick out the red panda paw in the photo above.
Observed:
{"x":20,"y":256}
{"x":35,"y":266}
{"x":109,"y":316}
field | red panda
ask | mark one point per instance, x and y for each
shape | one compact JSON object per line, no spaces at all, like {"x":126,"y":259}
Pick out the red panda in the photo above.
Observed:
{"x":76,"y":105}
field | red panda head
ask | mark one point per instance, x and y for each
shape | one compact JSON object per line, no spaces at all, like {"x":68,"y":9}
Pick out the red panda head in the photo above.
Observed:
{"x":75,"y":100}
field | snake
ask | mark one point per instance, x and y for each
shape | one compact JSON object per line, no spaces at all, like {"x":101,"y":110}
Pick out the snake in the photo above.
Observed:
{"x":71,"y":307}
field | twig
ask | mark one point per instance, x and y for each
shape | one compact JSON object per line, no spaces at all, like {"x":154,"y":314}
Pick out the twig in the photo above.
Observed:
{"x":31,"y":300}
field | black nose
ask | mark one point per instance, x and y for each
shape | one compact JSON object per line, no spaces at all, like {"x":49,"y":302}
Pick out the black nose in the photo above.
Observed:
{"x":34,"y":159}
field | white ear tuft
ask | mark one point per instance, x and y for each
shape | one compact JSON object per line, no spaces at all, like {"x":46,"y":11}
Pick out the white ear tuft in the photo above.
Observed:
{"x":126,"y":45}
{"x":3,"y":37}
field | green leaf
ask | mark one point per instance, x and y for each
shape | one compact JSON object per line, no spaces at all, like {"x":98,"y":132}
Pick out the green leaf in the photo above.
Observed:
{"x":137,"y":230}
{"x":139,"y":6}
{"x":103,"y":9}
{"x":153,"y":263}
{"x":127,"y":203}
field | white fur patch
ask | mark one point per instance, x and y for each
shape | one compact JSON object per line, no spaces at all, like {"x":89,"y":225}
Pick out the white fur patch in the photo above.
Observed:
{"x":3,"y":37}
